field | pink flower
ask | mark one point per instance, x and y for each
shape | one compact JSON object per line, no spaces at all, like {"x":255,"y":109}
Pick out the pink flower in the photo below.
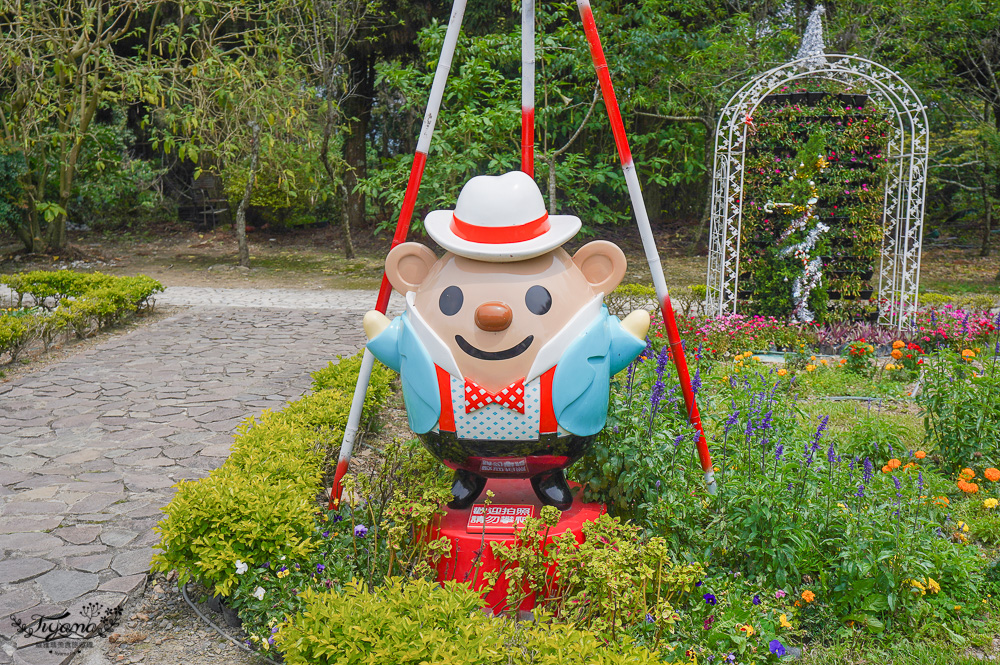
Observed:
{"x":780,"y":594}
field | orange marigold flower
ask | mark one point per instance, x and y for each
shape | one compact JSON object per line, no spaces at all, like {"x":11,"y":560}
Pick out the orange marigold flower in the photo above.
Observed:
{"x":886,"y":469}
{"x":942,"y":500}
{"x":967,"y":474}
{"x":898,"y":344}
{"x":894,"y":463}
{"x":897,"y":354}
{"x":921,"y":454}
{"x":973,"y":488}
{"x":992,"y":474}
{"x":808,"y":596}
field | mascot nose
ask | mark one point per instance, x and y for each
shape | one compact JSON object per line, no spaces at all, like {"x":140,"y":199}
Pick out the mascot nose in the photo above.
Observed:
{"x":493,"y":316}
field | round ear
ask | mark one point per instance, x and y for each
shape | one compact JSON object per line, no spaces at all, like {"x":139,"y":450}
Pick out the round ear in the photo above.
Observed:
{"x":602,"y":264}
{"x":407,"y":265}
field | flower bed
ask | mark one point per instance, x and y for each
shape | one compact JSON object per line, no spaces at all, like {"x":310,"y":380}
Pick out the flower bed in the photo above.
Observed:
{"x":826,"y":526}
{"x":68,"y":303}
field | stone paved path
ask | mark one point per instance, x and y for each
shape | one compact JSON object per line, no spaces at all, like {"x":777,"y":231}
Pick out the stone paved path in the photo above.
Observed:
{"x":90,"y":447}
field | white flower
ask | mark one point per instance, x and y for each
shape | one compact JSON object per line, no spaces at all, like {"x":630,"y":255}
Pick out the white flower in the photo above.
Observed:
{"x":258,"y":593}
{"x":240,"y":567}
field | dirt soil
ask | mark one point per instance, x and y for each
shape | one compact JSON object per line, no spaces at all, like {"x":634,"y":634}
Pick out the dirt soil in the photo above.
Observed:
{"x":313,"y":259}
{"x":303,"y":259}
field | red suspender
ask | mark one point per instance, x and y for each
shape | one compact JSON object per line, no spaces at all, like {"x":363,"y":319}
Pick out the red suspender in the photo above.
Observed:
{"x":447,"y":420}
{"x":547,"y":415}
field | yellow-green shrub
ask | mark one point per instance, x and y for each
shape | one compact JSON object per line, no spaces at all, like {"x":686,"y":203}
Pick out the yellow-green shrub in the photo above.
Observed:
{"x":13,"y":335}
{"x":416,"y":621}
{"x":261,"y":503}
{"x":81,"y":302}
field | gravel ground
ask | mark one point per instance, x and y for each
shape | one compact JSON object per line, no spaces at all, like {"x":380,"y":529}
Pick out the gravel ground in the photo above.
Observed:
{"x":160,"y":628}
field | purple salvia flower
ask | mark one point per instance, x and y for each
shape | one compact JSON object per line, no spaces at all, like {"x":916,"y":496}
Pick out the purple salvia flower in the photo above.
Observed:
{"x":656,"y":395}
{"x":733,"y":418}
{"x":661,"y":361}
{"x":869,"y":471}
{"x":696,"y":381}
{"x":819,"y":432}
{"x":895,"y":481}
{"x":920,"y":480}
{"x":778,"y":452}
{"x":861,"y":492}
{"x":677,"y":441}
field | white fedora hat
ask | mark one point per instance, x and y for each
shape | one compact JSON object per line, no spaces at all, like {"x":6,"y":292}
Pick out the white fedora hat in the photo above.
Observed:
{"x":500,"y":218}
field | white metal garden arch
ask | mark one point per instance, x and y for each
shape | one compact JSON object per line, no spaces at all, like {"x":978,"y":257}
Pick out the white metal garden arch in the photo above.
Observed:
{"x":907,"y":149}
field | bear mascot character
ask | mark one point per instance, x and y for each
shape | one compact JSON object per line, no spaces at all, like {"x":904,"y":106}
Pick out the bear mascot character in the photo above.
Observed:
{"x":505,"y":350}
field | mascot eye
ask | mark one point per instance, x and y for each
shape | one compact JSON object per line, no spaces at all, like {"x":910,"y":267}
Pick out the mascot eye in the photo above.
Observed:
{"x":451,"y":300}
{"x":538,"y":299}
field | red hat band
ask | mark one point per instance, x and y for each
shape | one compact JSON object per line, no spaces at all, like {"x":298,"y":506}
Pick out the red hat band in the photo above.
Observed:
{"x":500,"y":235}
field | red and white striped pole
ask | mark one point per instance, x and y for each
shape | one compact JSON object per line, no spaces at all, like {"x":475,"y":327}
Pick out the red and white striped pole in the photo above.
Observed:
{"x":646,"y":233}
{"x":402,"y":228}
{"x":528,"y":87}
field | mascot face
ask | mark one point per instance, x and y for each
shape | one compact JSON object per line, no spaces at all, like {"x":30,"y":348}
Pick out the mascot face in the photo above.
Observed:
{"x":495,"y":317}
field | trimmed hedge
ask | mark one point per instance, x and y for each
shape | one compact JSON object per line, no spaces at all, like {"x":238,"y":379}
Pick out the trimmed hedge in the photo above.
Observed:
{"x":412,"y":622}
{"x":261,"y":503}
{"x":67,"y":302}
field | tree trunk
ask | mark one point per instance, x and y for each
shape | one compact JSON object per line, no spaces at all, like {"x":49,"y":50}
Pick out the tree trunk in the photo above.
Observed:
{"x":345,"y":224}
{"x":331,"y":173}
{"x":984,"y":247}
{"x":358,"y":109}
{"x":706,"y":213}
{"x":241,"y":211}
{"x":552,"y":185}
{"x":30,"y":233}
{"x":56,"y":235}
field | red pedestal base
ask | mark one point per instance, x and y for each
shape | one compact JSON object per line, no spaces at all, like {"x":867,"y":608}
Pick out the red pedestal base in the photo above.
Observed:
{"x":469,"y":547}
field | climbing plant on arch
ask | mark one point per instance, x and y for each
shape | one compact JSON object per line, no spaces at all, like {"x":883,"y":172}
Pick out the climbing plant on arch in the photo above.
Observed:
{"x":765,"y":119}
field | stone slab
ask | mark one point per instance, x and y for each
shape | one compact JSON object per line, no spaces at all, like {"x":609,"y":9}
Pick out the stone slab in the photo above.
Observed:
{"x":79,"y":535}
{"x":17,"y":570}
{"x":62,"y":585}
{"x":132,"y":562}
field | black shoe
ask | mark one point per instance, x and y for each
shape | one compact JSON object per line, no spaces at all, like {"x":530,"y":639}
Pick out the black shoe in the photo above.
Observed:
{"x":552,"y":490}
{"x":466,"y":488}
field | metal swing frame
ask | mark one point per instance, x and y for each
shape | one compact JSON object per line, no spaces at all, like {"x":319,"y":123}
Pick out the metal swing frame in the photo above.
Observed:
{"x":527,"y":165}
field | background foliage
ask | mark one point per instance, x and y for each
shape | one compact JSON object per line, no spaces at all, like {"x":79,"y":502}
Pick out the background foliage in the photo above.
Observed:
{"x":337,"y":88}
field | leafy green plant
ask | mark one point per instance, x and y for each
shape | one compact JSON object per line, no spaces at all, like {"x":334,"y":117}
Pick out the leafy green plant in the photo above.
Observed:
{"x":614,"y":582}
{"x":860,"y":358}
{"x":67,"y":301}
{"x":961,"y":407}
{"x":419,"y":622}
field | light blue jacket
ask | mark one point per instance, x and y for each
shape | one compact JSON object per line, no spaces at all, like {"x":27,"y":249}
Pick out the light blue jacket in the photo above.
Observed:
{"x":580,"y":386}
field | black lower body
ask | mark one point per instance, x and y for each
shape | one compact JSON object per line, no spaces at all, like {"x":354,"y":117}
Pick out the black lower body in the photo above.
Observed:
{"x":541,"y":460}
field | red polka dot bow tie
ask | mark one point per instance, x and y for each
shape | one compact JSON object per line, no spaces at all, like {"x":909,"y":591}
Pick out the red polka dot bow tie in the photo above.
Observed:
{"x":512,"y":397}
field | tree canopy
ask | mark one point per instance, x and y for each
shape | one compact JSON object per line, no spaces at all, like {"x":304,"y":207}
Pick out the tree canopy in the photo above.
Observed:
{"x":336,"y":91}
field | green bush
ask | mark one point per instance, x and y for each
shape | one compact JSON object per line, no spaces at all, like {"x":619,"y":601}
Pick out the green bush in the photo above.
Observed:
{"x":70,"y":302}
{"x":961,"y":408}
{"x":419,"y":622}
{"x":13,"y":335}
{"x":261,"y":503}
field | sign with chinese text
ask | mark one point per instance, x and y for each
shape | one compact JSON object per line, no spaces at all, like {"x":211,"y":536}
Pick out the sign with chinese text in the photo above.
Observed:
{"x":499,"y":518}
